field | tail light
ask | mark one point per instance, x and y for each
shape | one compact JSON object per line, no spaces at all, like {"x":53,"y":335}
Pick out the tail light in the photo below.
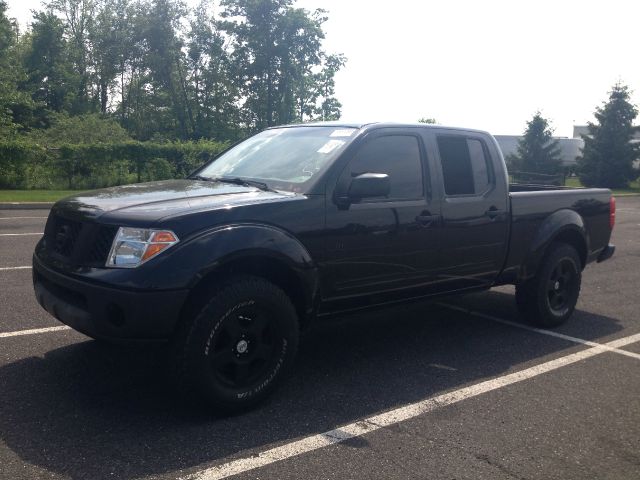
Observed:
{"x":612,"y":212}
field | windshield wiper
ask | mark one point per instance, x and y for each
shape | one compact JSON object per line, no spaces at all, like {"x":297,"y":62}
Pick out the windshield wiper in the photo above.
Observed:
{"x":236,"y":181}
{"x":200,"y":177}
{"x":245,"y":182}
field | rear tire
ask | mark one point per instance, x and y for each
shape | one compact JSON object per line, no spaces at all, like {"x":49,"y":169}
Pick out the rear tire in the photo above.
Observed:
{"x":239,"y":345}
{"x":549,"y":298}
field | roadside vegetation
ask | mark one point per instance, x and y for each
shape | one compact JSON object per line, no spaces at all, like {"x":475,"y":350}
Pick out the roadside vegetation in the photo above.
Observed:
{"x":34,"y":195}
{"x":105,"y":92}
{"x":632,"y":188}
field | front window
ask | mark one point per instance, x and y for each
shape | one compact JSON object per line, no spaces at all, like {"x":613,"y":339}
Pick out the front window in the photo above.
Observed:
{"x":396,"y":155}
{"x":284,"y":158}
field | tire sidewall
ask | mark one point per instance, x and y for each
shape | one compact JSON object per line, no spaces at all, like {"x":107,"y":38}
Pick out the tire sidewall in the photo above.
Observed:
{"x":551,"y":317}
{"x":256,"y":294}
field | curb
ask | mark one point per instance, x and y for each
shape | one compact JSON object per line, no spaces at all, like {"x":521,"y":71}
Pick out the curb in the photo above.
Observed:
{"x":26,"y":205}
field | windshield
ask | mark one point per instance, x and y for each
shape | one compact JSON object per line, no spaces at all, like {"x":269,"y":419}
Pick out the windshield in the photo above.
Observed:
{"x":284,"y":158}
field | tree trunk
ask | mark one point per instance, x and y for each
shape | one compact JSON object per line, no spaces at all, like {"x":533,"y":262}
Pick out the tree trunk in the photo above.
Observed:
{"x":104,"y":96}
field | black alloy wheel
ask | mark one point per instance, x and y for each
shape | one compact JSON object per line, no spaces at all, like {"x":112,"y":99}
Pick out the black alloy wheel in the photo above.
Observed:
{"x":237,"y":347}
{"x":560,"y":286}
{"x":245,"y":348}
{"x":549,"y":298}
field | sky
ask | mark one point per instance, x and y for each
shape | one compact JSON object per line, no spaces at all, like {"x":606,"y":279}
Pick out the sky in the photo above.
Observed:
{"x":486,"y":64}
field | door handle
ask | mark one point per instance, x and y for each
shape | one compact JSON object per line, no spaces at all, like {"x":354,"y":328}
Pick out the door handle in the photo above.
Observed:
{"x":426,"y":219}
{"x":493,"y":212}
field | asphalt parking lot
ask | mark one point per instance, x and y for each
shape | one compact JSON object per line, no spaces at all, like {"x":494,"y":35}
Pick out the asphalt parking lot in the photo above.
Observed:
{"x":455,"y":390}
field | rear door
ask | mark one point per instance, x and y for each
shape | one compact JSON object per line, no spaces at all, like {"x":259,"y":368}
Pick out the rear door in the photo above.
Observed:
{"x":475,"y":216}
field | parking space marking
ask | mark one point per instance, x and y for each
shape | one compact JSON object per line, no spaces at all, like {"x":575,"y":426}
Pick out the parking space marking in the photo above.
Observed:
{"x":19,"y":218}
{"x":541,"y":330}
{"x":18,"y":234}
{"x":395,"y":416}
{"x":33,"y":331}
{"x":15,"y":268}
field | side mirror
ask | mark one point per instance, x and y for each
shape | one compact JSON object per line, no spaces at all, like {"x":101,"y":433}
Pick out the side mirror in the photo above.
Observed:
{"x":369,"y":185}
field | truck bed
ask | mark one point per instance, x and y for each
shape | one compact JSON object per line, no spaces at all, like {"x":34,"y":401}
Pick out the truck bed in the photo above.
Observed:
{"x":533,"y":187}
{"x":537,"y":208}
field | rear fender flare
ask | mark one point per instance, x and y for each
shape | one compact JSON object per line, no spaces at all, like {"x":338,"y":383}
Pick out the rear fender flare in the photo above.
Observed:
{"x":563,"y":224}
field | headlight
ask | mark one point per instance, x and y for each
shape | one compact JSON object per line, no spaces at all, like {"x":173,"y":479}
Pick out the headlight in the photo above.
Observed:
{"x":134,"y":246}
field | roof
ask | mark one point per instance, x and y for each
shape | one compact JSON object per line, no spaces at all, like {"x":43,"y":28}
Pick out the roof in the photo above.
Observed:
{"x":380,"y":125}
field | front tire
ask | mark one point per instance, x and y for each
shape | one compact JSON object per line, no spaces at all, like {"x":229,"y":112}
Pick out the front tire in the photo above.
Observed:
{"x":549,"y":298}
{"x":239,"y":345}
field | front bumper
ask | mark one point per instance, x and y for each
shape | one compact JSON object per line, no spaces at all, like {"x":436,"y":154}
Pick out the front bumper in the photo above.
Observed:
{"x":104,"y":311}
{"x":606,"y":253}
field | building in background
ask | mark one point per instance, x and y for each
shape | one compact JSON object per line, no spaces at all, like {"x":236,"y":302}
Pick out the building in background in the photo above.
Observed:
{"x":579,"y":130}
{"x":570,"y":148}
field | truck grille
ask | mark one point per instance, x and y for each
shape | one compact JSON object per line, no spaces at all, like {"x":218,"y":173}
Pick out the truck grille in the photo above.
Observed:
{"x":78,"y":243}
{"x":102,"y":244}
{"x":64,"y":236}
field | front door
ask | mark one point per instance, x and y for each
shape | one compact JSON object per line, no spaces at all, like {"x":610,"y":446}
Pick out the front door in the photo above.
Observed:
{"x":383,"y":244}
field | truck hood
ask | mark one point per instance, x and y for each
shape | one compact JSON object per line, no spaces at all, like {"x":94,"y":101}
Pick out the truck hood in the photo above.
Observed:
{"x":155,"y":200}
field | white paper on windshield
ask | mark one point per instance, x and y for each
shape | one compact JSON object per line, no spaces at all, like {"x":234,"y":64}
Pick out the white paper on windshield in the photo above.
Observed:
{"x":342,"y":132}
{"x":330,"y":146}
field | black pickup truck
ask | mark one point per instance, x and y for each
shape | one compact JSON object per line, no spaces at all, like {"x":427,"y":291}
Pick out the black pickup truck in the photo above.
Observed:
{"x":300,"y":222}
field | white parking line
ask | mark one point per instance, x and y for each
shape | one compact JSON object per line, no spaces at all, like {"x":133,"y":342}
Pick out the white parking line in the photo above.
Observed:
{"x":18,"y":234}
{"x":397,"y":415}
{"x":18,"y":218}
{"x":540,"y":330}
{"x":33,"y":331}
{"x":15,"y":268}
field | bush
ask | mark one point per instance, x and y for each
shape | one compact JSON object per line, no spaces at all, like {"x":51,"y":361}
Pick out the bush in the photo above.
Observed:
{"x":74,"y":166}
{"x":17,"y":159}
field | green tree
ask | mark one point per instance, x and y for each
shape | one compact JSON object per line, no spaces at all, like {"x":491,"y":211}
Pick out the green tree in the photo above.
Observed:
{"x":427,"y":120}
{"x":118,"y":47}
{"x":608,"y":153}
{"x":49,"y":76}
{"x":7,"y":39}
{"x":167,"y":73}
{"x":90,"y":128}
{"x":537,"y":151}
{"x":110,"y":38}
{"x":278,"y":61}
{"x":330,"y":107}
{"x":16,"y":107}
{"x":213,"y":93}
{"x":164,"y":59}
{"x":78,"y":17}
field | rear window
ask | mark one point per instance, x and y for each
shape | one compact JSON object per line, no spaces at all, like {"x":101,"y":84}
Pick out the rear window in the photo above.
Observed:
{"x":465,"y":166}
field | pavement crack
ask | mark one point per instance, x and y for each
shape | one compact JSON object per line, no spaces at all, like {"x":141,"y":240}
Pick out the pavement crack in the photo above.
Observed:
{"x":498,"y":465}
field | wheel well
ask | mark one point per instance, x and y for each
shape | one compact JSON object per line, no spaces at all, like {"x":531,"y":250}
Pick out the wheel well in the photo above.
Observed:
{"x":273,"y":270}
{"x":573,"y":238}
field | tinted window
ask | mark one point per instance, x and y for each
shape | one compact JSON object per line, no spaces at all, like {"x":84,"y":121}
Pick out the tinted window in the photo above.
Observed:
{"x":480,"y":166}
{"x":396,"y":155}
{"x":464,"y":165}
